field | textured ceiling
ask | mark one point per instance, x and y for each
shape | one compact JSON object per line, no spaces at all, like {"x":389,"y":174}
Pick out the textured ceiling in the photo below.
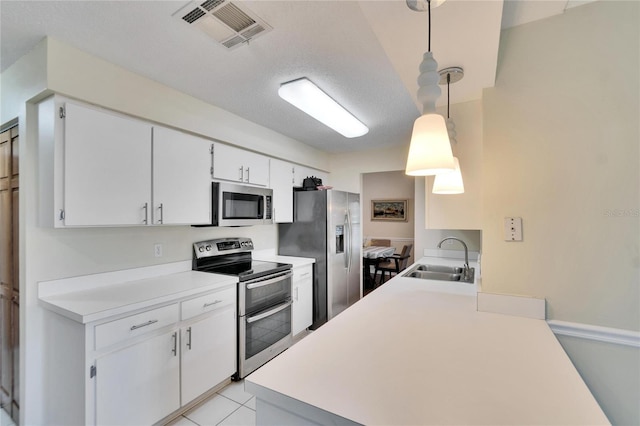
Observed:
{"x":364,"y":54}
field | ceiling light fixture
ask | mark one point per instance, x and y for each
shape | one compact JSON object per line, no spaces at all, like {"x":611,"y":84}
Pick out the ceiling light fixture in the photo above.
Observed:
{"x":309,"y":98}
{"x":430,"y":150}
{"x":450,"y":182}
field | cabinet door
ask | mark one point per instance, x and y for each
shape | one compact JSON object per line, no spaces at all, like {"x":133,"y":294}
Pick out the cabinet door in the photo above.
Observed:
{"x":301,"y":172}
{"x":181,"y":178}
{"x":227,"y":163}
{"x":302,"y":312}
{"x":107,"y":168}
{"x":139,"y":384}
{"x":238,"y":165}
{"x":208,"y":353}
{"x":256,"y":169}
{"x":281,"y":181}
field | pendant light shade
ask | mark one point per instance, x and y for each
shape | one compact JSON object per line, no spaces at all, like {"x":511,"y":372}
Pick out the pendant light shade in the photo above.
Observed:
{"x":450,"y":182}
{"x":430,"y":150}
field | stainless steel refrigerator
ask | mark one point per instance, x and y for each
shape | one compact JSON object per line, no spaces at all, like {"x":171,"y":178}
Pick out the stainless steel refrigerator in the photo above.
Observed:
{"x":326,"y":226}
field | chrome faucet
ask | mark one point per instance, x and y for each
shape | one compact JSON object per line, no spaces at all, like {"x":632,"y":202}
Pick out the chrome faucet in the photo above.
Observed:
{"x":467,"y":270}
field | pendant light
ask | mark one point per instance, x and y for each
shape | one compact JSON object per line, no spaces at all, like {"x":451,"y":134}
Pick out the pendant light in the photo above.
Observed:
{"x":430,"y":149}
{"x":450,"y":182}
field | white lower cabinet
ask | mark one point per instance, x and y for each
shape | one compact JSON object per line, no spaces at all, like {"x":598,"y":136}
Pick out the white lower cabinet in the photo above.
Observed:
{"x":137,"y":385}
{"x":302,"y":310}
{"x":208,"y":339}
{"x":138,"y":368}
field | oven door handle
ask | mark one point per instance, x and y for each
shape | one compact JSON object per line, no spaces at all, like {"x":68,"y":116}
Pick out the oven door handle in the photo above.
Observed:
{"x":257,"y":283}
{"x":270,"y":312}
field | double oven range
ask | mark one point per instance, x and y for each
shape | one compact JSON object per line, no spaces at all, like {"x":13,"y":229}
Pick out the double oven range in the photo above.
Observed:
{"x":264,"y":298}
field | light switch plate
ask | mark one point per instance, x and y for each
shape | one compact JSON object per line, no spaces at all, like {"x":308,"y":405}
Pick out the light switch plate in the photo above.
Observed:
{"x":513,"y":229}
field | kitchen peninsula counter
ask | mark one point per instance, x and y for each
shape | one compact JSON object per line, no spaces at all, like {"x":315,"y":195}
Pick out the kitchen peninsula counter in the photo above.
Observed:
{"x":410,"y":354}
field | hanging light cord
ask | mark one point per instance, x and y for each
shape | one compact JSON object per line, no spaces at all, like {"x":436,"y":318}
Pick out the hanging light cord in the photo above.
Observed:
{"x":429,"y":14}
{"x":448,"y":81}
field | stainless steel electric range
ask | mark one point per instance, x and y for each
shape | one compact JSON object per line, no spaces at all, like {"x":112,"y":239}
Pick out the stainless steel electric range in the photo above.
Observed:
{"x":264,"y":298}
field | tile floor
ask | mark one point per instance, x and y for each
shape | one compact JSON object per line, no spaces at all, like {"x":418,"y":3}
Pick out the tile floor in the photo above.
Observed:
{"x":5,"y":419}
{"x":229,"y":406}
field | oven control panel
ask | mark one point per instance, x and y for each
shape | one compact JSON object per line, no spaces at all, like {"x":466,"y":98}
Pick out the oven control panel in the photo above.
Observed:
{"x":221,"y":246}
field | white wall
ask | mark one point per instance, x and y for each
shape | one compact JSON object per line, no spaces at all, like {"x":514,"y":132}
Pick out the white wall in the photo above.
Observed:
{"x":46,"y":253}
{"x":561,"y":150}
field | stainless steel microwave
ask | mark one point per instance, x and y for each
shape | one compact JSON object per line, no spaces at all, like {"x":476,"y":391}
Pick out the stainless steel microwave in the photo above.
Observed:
{"x":240,"y":205}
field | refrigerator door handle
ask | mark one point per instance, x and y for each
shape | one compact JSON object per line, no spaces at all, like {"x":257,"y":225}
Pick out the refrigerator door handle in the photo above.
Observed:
{"x":347,"y":243}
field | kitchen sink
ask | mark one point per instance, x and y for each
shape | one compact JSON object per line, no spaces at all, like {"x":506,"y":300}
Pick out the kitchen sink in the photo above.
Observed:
{"x":432,"y":275}
{"x":440,"y":268}
{"x":441,"y":273}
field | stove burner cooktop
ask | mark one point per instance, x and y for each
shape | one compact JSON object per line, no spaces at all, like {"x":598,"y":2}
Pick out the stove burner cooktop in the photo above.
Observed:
{"x":248,"y":270}
{"x":232,"y":256}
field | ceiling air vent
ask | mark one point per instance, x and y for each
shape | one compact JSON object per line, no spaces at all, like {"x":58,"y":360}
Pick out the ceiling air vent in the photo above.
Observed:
{"x":229,"y":24}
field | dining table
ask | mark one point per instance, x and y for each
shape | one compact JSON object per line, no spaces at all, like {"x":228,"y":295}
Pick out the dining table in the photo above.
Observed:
{"x":371,"y":255}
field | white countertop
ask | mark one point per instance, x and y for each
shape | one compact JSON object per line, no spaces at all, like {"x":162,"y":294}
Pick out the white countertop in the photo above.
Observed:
{"x":409,"y":354}
{"x":99,"y":300}
{"x":271,"y":256}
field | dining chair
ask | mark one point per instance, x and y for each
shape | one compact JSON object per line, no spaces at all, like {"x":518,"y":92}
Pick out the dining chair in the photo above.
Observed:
{"x":381,"y":243}
{"x":393,"y":264}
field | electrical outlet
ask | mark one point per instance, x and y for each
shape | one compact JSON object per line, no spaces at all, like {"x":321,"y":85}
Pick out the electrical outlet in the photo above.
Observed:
{"x":157,"y":250}
{"x":513,"y":229}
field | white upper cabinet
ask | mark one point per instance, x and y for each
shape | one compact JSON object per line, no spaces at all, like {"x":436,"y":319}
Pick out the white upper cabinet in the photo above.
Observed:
{"x":461,"y":211}
{"x":181,"y":178}
{"x":107,"y":168}
{"x":100,"y":168}
{"x":302,"y":172}
{"x":281,"y":181}
{"x":238,"y":165}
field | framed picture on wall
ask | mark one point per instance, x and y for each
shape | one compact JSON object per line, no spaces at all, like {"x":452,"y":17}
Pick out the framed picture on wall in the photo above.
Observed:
{"x":389,"y":210}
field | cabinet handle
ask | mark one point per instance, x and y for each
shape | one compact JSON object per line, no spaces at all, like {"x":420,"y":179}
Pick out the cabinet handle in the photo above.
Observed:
{"x":135,"y":327}
{"x":215,"y":302}
{"x":296,"y":294}
{"x":241,"y":173}
{"x":146,"y":212}
{"x":189,"y":338}
{"x":247,"y":178}
{"x":174,"y":351}
{"x":161,"y":208}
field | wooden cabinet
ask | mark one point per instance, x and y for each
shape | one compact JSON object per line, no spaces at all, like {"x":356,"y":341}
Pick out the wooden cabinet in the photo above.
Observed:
{"x":302,"y":310}
{"x":238,"y":165}
{"x":139,"y":385}
{"x":9,"y":282}
{"x":100,"y":168}
{"x":281,"y":179}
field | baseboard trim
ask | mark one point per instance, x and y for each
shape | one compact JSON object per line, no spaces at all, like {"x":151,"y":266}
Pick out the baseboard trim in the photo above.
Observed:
{"x":594,"y":332}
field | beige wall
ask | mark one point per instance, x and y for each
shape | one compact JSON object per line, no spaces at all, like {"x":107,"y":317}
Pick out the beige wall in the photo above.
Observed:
{"x":394,"y":185}
{"x":561,"y":150}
